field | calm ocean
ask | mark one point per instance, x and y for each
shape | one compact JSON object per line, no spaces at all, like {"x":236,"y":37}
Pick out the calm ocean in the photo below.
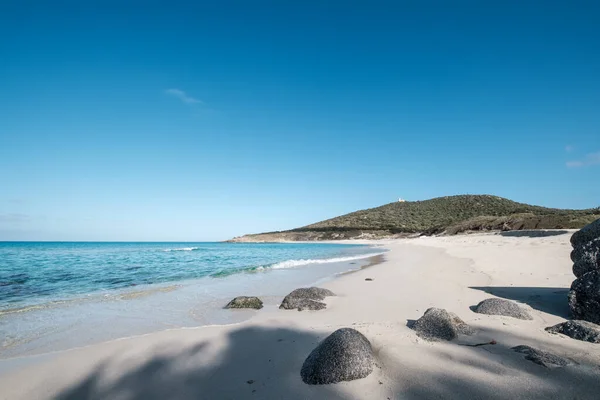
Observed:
{"x":50,"y":292}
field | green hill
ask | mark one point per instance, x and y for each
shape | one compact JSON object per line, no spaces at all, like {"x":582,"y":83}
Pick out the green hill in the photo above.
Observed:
{"x":451,"y":214}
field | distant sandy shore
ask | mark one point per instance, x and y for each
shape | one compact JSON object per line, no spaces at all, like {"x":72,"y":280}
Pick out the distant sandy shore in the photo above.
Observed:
{"x":261,"y":358}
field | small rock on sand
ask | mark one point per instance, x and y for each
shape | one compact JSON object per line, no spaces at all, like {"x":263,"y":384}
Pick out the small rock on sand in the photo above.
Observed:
{"x":439,"y":324}
{"x":502,"y":307}
{"x":245,"y":302}
{"x":580,"y":330}
{"x":345,"y":355}
{"x":542,"y":358}
{"x":306,"y":299}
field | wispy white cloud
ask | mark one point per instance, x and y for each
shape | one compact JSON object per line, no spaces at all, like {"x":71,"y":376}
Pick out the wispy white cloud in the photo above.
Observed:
{"x":14,"y":218}
{"x":183,"y":96}
{"x":569,"y":148}
{"x":575,"y":164}
{"x":590,"y":159}
{"x":17,"y":201}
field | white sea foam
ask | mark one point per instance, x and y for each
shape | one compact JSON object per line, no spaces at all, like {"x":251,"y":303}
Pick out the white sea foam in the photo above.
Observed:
{"x":183,"y":249}
{"x":299,"y":263}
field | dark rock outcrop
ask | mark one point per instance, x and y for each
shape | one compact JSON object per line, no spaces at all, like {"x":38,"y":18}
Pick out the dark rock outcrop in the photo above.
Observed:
{"x":502,"y":307}
{"x":579,"y":250}
{"x":586,"y":258}
{"x":245,"y":302}
{"x":542,"y":358}
{"x":580,"y":330}
{"x":584,"y":296}
{"x":439,"y":324}
{"x":586,"y":234}
{"x":306,"y":299}
{"x":345,"y":355}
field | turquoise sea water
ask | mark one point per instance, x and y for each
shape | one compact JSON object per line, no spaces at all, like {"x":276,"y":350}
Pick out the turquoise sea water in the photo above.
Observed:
{"x":33,"y":273}
{"x":55,"y":296}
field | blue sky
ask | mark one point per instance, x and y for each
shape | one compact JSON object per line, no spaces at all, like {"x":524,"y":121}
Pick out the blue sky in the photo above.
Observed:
{"x":204,"y":120}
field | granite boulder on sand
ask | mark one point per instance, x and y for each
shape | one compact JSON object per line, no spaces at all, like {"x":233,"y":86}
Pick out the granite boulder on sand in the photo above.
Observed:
{"x":245,"y":302}
{"x":306,"y":299}
{"x":345,"y":355}
{"x":580,"y":330}
{"x":439,"y":324}
{"x":502,"y":307}
{"x":579,"y":250}
{"x":586,"y":258}
{"x":584,"y":296}
{"x":586,"y":234}
{"x":586,"y":249}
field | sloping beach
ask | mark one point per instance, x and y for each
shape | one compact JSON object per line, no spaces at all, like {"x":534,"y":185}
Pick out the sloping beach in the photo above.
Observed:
{"x":261,"y":358}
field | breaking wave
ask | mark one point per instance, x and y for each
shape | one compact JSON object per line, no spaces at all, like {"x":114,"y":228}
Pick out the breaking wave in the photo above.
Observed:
{"x":299,"y":263}
{"x":291,"y":264}
{"x":184,"y":249}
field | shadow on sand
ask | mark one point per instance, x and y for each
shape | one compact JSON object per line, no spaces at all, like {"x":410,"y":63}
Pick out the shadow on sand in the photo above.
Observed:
{"x":533,"y":233}
{"x":264,"y":363}
{"x":498,"y":372}
{"x":547,"y":299}
{"x":256,"y":363}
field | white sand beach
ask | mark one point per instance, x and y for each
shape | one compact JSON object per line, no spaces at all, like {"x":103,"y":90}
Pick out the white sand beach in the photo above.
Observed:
{"x":261,"y":358}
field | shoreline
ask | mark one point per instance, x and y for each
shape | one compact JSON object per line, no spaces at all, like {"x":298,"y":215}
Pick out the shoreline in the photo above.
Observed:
{"x":375,"y":260}
{"x":149,"y":309}
{"x":268,"y":349}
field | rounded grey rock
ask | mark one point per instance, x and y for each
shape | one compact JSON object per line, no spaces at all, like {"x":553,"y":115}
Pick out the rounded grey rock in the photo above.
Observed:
{"x":245,"y":302}
{"x":345,"y":355}
{"x":579,"y":330}
{"x":312,"y":293}
{"x":502,"y":307}
{"x":304,"y":304}
{"x":306,"y":299}
{"x":584,"y":297}
{"x":439,"y":324}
